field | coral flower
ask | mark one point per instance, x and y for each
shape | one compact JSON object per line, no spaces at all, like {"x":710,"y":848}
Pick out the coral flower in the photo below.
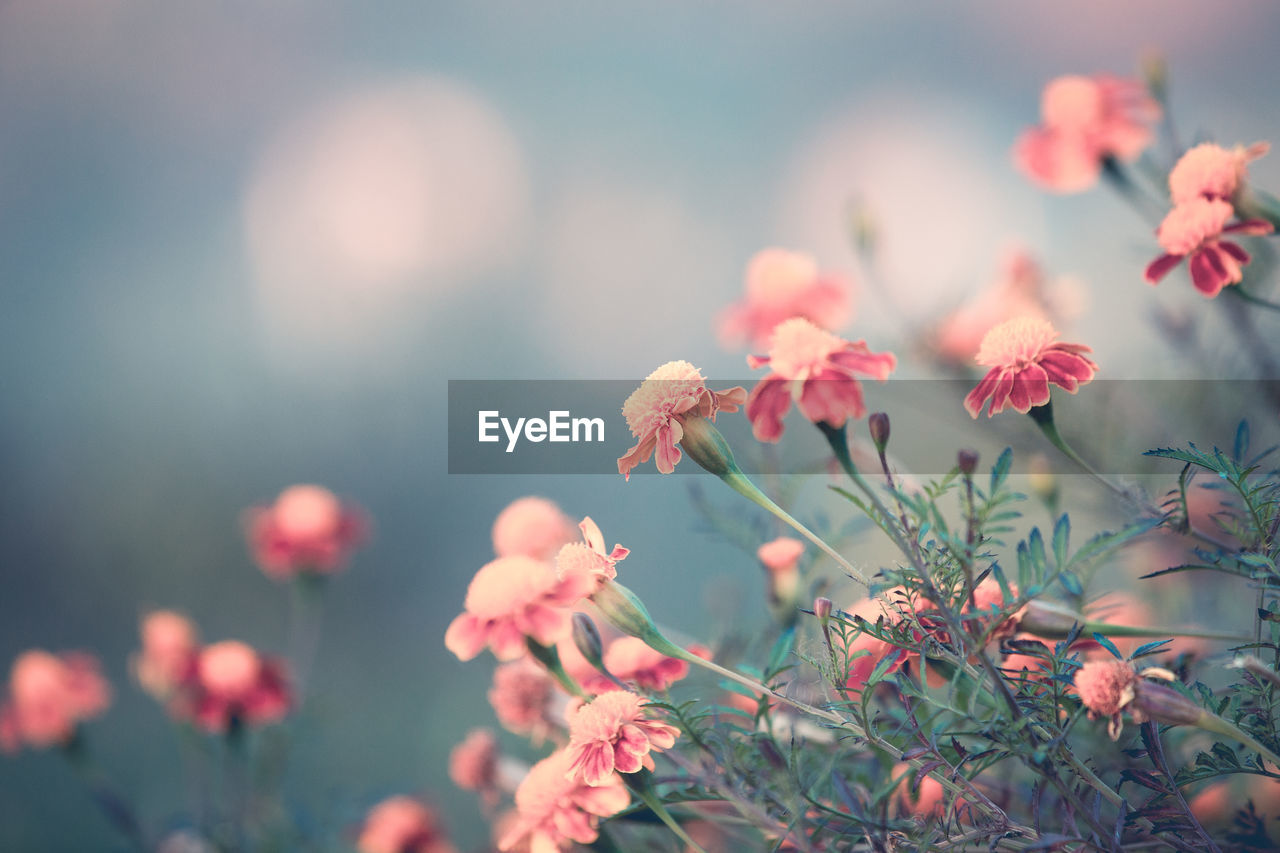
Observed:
{"x":631,"y":660}
{"x":818,"y":370}
{"x":780,"y":285}
{"x":554,"y":810}
{"x":1020,"y":290}
{"x":521,"y":695}
{"x":306,"y":530}
{"x":532,"y":527}
{"x":512,"y":598}
{"x":1024,"y":358}
{"x":473,"y":764}
{"x":612,"y":733}
{"x":925,"y":799}
{"x":657,"y":411}
{"x":402,"y":825}
{"x":49,"y":696}
{"x":1210,"y":171}
{"x":781,"y":555}
{"x":1194,"y":230}
{"x":1106,"y":688}
{"x":862,"y":665}
{"x":589,"y":558}
{"x":1084,"y":121}
{"x":234,"y":684}
{"x":168,"y":657}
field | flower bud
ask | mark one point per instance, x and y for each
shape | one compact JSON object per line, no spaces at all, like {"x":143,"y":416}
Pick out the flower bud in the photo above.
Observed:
{"x":587,"y":638}
{"x":822,"y":607}
{"x":878,"y":423}
{"x":1166,"y":705}
{"x":1048,"y":619}
{"x":706,"y":446}
{"x":626,"y":612}
{"x":968,"y":462}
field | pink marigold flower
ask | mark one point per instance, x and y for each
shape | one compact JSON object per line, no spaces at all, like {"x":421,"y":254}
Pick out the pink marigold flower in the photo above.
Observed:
{"x":234,"y":684}
{"x":521,"y":696}
{"x":1195,"y":229}
{"x":1024,"y":358}
{"x":630,"y":660}
{"x":49,"y":696}
{"x":1084,"y":120}
{"x":512,"y":598}
{"x":167,"y":661}
{"x":781,"y":555}
{"x":589,"y":559}
{"x":532,"y":527}
{"x":611,"y":733}
{"x":554,"y":810}
{"x":818,"y":370}
{"x":862,"y":665}
{"x":473,"y":764}
{"x":780,"y":285}
{"x":656,"y":413}
{"x":402,"y":825}
{"x":1210,"y":171}
{"x":306,"y":530}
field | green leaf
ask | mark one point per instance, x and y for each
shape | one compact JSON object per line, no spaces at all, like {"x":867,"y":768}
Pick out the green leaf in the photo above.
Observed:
{"x":1061,"y":540}
{"x":1106,"y":542}
{"x":1241,"y":446}
{"x":781,"y":651}
{"x":1071,"y":583}
{"x":1001,"y":469}
{"x":1108,"y":645}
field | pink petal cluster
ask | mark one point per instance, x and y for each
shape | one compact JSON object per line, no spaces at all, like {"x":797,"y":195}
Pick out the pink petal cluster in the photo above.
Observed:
{"x":306,"y":530}
{"x":1084,"y":121}
{"x":234,"y":685}
{"x":473,"y":764}
{"x":402,"y":825}
{"x":1025,"y":358}
{"x":1195,"y":230}
{"x":611,"y":733}
{"x":926,"y":799}
{"x":1210,"y":171}
{"x":512,"y":598}
{"x":781,"y":284}
{"x":630,"y":660}
{"x":657,"y":410}
{"x":167,"y":661}
{"x":532,"y":527}
{"x":816,"y":369}
{"x":862,"y":665}
{"x":589,"y":558}
{"x":782,"y":555}
{"x":49,"y":695}
{"x":554,"y":810}
{"x":1019,"y":291}
{"x":521,"y":696}
{"x":1106,"y":687}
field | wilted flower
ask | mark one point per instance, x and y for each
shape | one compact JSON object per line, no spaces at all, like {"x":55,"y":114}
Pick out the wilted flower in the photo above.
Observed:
{"x":1024,"y":359}
{"x":473,"y":764}
{"x":1109,"y":687}
{"x":402,"y":825}
{"x":49,"y":696}
{"x":818,"y":370}
{"x":554,"y":810}
{"x":1195,"y":230}
{"x":657,"y":411}
{"x":170,"y":644}
{"x":234,"y":684}
{"x":532,"y":527}
{"x":520,"y":695}
{"x":1210,"y":171}
{"x":780,"y":285}
{"x":1084,"y":121}
{"x":611,"y":733}
{"x":307,"y":529}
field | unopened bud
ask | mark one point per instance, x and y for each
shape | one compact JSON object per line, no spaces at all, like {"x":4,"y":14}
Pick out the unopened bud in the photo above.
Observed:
{"x":706,"y":446}
{"x":1166,"y":705}
{"x":1048,"y":619}
{"x":822,"y":607}
{"x":967,"y":460}
{"x":587,"y":638}
{"x":878,"y":423}
{"x":626,"y":612}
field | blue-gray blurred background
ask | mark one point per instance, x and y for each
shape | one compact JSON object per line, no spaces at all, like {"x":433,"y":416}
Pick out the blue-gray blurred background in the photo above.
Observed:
{"x":244,"y":245}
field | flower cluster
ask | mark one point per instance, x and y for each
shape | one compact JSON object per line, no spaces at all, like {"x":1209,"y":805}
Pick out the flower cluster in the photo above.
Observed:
{"x":49,"y":696}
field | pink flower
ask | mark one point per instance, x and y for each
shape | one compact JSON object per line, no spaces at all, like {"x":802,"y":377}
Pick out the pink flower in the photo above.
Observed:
{"x":781,"y":555}
{"x":554,"y":810}
{"x":234,"y":684}
{"x":1210,"y":171}
{"x":512,"y":598}
{"x":630,"y":660}
{"x":862,"y":665}
{"x":306,"y":530}
{"x":1084,"y":120}
{"x":611,"y":733}
{"x":1194,"y":229}
{"x":521,"y":695}
{"x":818,"y":370}
{"x":49,"y":696}
{"x":657,"y":410}
{"x":1024,"y":359}
{"x":1019,"y":291}
{"x":780,"y":285}
{"x":589,"y":559}
{"x":402,"y":825}
{"x":1106,"y":688}
{"x":925,"y":799}
{"x":532,"y":527}
{"x":473,"y":764}
{"x":167,"y":661}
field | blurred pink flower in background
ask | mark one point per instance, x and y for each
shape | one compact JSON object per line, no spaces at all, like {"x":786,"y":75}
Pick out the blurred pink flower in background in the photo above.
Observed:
{"x":473,"y":764}
{"x":1195,"y":230}
{"x":925,"y":800}
{"x":532,"y":527}
{"x":818,"y":370}
{"x":170,"y":644}
{"x":612,"y":733}
{"x":307,"y":529}
{"x":1019,"y":291}
{"x":1085,"y":120}
{"x":631,"y":660}
{"x":656,"y":412}
{"x":512,"y":598}
{"x":782,"y":284}
{"x":589,"y":558}
{"x":781,"y":555}
{"x":861,"y":666}
{"x":554,"y":810}
{"x":1024,"y":358}
{"x":1210,"y":171}
{"x":49,"y":696}
{"x":521,"y":697}
{"x":234,"y":684}
{"x":402,"y":825}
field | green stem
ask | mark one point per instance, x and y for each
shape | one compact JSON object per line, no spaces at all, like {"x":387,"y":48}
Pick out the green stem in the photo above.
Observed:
{"x":1240,"y":293}
{"x":1043,"y":416}
{"x":643,"y":789}
{"x":550,"y":658}
{"x":1213,"y":723}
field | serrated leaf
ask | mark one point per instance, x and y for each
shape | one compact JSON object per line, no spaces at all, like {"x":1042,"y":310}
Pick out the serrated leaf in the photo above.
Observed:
{"x":1061,"y":540}
{"x":1000,"y":471}
{"x":1071,"y":583}
{"x":1108,"y":645}
{"x":781,"y":651}
{"x":1106,"y":542}
{"x":1240,"y":448}
{"x":1149,"y":648}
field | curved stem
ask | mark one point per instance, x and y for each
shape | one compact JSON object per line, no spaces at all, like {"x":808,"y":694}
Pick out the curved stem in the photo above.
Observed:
{"x":644,"y":790}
